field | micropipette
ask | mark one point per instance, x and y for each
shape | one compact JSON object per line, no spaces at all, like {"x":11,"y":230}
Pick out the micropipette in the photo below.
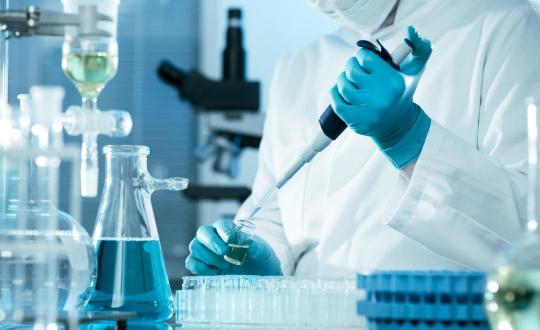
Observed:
{"x":331,"y":124}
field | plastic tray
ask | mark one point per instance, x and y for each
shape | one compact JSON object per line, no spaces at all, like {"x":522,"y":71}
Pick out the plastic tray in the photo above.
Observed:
{"x":423,"y":282}
{"x":423,"y":296}
{"x":377,"y":325}
{"x":421,"y":312}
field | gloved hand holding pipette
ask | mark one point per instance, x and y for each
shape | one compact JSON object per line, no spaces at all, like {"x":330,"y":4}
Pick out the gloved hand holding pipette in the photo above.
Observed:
{"x":212,"y":243}
{"x":374,"y":99}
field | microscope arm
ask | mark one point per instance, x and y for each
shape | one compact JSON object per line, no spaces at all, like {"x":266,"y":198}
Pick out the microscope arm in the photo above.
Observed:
{"x":211,"y":95}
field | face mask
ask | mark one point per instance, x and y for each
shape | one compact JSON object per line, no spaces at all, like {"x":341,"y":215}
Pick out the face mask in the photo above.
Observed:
{"x":364,"y":15}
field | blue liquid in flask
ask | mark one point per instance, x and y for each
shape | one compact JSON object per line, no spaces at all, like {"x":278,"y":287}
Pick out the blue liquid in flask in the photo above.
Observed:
{"x":132,"y":278}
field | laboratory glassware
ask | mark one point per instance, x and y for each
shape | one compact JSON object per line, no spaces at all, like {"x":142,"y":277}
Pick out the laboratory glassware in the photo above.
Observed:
{"x":273,"y":301}
{"x":131,"y":270}
{"x":81,"y":20}
{"x":238,"y":244}
{"x":47,"y":261}
{"x":513,"y":289}
{"x":90,"y":62}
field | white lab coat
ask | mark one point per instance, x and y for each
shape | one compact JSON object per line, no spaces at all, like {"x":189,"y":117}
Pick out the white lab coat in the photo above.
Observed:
{"x":349,"y":210}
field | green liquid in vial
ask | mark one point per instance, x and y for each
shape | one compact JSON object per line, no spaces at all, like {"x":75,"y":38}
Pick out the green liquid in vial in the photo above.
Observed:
{"x":236,"y":253}
{"x":90,"y":71}
{"x":513,"y":299}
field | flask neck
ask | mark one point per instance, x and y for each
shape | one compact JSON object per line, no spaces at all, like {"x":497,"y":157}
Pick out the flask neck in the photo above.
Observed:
{"x":124,"y":169}
{"x":125,"y":210}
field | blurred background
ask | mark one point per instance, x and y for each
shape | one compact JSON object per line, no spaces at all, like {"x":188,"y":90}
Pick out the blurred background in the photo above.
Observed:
{"x":191,"y":35}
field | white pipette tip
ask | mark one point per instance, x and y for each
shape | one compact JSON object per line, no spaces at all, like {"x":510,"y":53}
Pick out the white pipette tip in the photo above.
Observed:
{"x":402,"y":51}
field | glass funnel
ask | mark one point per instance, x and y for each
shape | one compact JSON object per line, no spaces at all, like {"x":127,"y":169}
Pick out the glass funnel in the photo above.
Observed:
{"x":513,"y":289}
{"x":90,"y":62}
{"x":131,"y":270}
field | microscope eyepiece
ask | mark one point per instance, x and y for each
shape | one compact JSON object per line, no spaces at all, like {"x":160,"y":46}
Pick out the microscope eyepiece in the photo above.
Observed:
{"x":235,"y":13}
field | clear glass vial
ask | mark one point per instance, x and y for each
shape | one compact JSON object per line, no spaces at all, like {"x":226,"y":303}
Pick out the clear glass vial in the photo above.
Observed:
{"x":238,"y":244}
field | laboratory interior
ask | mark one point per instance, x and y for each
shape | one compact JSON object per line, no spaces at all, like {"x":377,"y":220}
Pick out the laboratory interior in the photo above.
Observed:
{"x":270,"y":164}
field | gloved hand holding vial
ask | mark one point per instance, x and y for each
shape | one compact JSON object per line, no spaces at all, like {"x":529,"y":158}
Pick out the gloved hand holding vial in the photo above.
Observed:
{"x":229,"y":247}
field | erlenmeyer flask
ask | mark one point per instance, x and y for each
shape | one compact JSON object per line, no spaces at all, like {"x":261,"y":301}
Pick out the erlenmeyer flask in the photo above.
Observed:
{"x":131,"y":269}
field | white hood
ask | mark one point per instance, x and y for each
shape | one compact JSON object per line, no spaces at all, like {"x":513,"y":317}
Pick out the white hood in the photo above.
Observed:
{"x":363,"y":15}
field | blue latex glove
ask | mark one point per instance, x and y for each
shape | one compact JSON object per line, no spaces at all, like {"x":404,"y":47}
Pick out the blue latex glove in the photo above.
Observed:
{"x":207,"y":249}
{"x":376,"y":100}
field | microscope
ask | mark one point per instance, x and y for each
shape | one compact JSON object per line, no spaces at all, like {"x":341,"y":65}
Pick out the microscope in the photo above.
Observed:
{"x":231,"y":106}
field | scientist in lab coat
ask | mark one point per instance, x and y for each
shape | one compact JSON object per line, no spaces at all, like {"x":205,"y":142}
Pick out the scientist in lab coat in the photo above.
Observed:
{"x":432,"y":177}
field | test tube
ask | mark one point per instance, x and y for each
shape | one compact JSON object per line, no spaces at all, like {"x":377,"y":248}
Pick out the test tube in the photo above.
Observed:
{"x":238,"y":244}
{"x":353,"y":295}
{"x":200,"y":297}
{"x":181,"y":307}
{"x":287,"y":300}
{"x":266,"y":286}
{"x":304,"y":304}
{"x":329,"y":306}
{"x":227,"y":299}
{"x":243,"y":306}
{"x":190,"y":303}
{"x":276,"y":308}
{"x":236,"y":313}
{"x":256,"y":297}
{"x":211,"y":298}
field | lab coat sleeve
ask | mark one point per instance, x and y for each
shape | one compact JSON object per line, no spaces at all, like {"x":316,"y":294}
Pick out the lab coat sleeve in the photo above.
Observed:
{"x":268,"y":220}
{"x":467,"y":202}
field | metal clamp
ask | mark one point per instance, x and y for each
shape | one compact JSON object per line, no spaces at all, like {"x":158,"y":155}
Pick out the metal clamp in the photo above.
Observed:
{"x":35,"y":21}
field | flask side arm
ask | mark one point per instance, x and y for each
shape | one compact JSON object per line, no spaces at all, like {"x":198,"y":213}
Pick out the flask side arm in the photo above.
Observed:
{"x":175,"y":184}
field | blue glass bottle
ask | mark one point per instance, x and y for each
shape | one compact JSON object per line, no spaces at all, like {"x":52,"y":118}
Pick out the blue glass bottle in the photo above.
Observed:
{"x":131,"y":270}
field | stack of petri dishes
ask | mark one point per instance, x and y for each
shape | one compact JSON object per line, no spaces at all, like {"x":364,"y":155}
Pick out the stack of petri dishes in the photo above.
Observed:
{"x":269,"y":301}
{"x":423,"y":300}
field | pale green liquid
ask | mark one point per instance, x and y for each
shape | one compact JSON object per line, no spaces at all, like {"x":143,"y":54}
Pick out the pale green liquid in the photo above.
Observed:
{"x":90,"y":71}
{"x":513,"y":299}
{"x":236,"y":254}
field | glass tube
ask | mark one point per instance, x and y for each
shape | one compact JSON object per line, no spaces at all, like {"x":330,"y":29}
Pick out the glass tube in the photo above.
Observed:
{"x":4,"y":58}
{"x":513,"y":290}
